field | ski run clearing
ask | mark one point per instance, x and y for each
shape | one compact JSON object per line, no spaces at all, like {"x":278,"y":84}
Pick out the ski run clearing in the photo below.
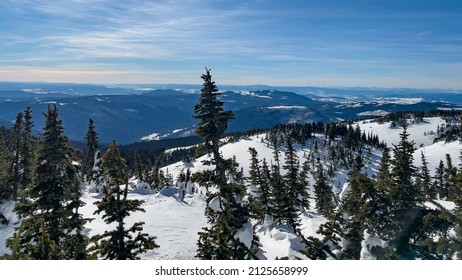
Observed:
{"x":176,"y":221}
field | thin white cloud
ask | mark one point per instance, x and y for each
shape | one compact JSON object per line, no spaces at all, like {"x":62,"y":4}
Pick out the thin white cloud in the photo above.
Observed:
{"x":234,"y":36}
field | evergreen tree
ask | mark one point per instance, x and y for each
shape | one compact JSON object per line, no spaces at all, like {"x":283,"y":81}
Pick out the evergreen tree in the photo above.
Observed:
{"x":424,"y":182}
{"x":384,"y":178}
{"x":260,"y":204}
{"x":359,"y":206}
{"x":324,"y":196}
{"x":294,"y":191}
{"x":225,"y":211}
{"x":412,"y":223}
{"x":27,"y":162}
{"x":265,"y":187}
{"x":456,"y":240}
{"x":156,"y":172}
{"x":449,"y":179}
{"x":92,"y":142}
{"x":51,"y":200}
{"x":403,"y":192}
{"x":139,"y":168}
{"x":119,"y":244}
{"x":5,"y":191}
{"x":213,"y":120}
{"x":316,"y":249}
{"x":439,"y":183}
{"x":98,"y":180}
{"x":15,"y":170}
{"x":254,"y":169}
{"x":403,"y":196}
{"x":23,"y":147}
{"x":304,"y":184}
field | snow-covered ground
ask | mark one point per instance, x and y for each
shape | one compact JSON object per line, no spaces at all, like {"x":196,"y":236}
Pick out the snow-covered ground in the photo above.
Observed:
{"x":176,"y":222}
{"x":423,"y":135}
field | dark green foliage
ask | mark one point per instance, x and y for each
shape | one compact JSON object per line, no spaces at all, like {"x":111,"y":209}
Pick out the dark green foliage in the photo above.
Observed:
{"x":219,"y":241}
{"x":303,"y":185}
{"x":119,"y":243}
{"x":323,"y":190}
{"x":23,"y":148}
{"x":28,"y":149}
{"x":259,"y":176}
{"x":209,"y":110}
{"x":449,"y":179}
{"x":353,"y":206}
{"x":291,"y":205}
{"x":5,"y":190}
{"x":316,"y":249}
{"x":156,"y":176}
{"x":49,"y":206}
{"x":139,"y":167}
{"x":92,"y":148}
{"x":456,"y":241}
{"x":423,"y":180}
{"x":278,"y":195}
{"x":15,"y":174}
{"x":439,"y":183}
{"x":410,"y":223}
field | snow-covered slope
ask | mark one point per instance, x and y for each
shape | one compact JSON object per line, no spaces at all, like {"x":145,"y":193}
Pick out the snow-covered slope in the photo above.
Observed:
{"x":176,"y":222}
{"x":423,"y":134}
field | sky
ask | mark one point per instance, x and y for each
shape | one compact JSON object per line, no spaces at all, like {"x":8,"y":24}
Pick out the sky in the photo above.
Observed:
{"x":376,"y":43}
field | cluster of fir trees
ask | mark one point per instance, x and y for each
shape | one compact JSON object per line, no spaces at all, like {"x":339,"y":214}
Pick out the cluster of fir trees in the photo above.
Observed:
{"x":398,"y":206}
{"x":417,"y":116}
{"x":281,"y":189}
{"x":17,"y":151}
{"x":46,"y":185}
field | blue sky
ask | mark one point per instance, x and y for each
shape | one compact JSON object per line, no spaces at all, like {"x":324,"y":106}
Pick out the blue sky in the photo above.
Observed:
{"x":407,"y":43}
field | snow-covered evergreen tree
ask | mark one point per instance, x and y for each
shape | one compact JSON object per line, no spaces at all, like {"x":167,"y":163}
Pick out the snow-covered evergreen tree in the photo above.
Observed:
{"x":119,"y":244}
{"x":226,"y":213}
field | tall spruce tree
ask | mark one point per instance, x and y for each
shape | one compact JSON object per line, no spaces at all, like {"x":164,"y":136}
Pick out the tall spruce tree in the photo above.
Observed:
{"x":225,"y":212}
{"x":358,"y":207}
{"x":23,"y":146}
{"x":450,"y":178}
{"x":424,"y":181}
{"x":15,"y":169}
{"x":5,"y":190}
{"x":439,"y":181}
{"x":139,"y":167}
{"x":304,"y":185}
{"x":278,"y":195}
{"x":51,"y":200}
{"x":259,"y":177}
{"x":28,"y":149}
{"x":324,"y":196}
{"x":403,"y":198}
{"x":92,"y":148}
{"x":294,"y":191}
{"x":456,"y":240}
{"x":119,"y":244}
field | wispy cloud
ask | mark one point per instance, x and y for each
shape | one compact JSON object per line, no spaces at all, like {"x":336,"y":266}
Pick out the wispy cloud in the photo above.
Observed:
{"x":305,"y":38}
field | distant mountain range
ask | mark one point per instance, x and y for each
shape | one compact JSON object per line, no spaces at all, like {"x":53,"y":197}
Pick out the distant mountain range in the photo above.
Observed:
{"x":131,"y":113}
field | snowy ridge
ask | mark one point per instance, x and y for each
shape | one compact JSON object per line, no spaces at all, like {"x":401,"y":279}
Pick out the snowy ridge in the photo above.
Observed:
{"x":175,"y":219}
